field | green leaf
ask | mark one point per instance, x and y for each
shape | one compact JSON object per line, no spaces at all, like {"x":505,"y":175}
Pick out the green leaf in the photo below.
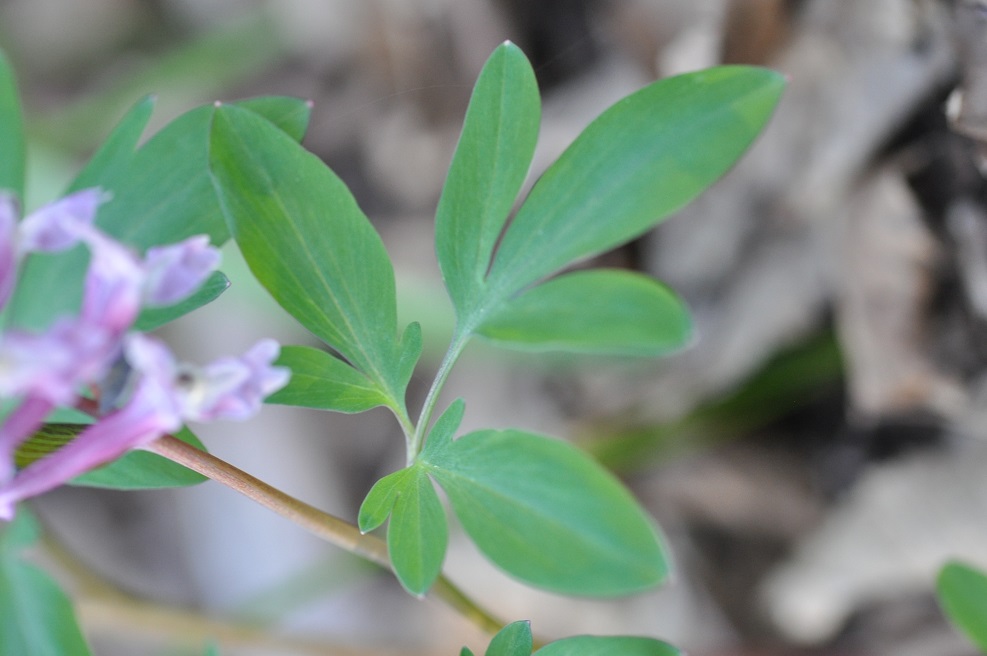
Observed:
{"x":608,"y":646}
{"x":115,"y":155}
{"x":153,"y":318}
{"x":513,"y":640}
{"x":36,"y":617}
{"x":380,"y":500}
{"x":417,"y":534}
{"x":445,"y":427}
{"x":306,"y":240}
{"x":290,"y":115}
{"x":19,"y":534}
{"x":323,"y":381}
{"x":598,"y":311}
{"x":487,"y":170}
{"x":962,"y":593}
{"x":142,"y":470}
{"x":642,"y":159}
{"x":547,"y":514}
{"x":465,"y":652}
{"x":136,"y":470}
{"x":13,"y":148}
{"x":179,"y":202}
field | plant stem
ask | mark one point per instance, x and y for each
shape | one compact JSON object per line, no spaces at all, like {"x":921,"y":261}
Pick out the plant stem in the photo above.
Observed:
{"x":328,"y":527}
{"x":455,"y":350}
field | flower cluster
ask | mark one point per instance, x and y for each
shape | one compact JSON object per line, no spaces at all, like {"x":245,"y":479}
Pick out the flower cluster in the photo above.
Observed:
{"x":145,"y":393}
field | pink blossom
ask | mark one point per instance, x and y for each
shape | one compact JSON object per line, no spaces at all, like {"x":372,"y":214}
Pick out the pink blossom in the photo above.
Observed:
{"x":165,"y":395}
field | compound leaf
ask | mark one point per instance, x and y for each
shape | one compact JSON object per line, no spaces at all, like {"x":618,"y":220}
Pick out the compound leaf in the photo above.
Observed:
{"x":547,"y":514}
{"x":487,"y":170}
{"x":642,"y":159}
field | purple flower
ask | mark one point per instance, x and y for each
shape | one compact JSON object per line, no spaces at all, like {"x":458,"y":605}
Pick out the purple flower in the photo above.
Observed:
{"x":49,"y":369}
{"x":174,"y":272}
{"x":164,"y":396}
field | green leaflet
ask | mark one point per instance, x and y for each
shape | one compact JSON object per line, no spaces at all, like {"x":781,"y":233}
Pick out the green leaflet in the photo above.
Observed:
{"x":417,"y":534}
{"x":153,"y":318}
{"x":180,"y":203}
{"x":608,"y":646}
{"x":598,"y":311}
{"x":513,"y":640}
{"x":962,"y":593}
{"x":12,"y":144}
{"x":643,"y":158}
{"x":323,"y":381}
{"x":136,"y":470}
{"x":547,"y":514}
{"x":36,"y":617}
{"x":487,"y":171}
{"x":306,"y":240}
{"x":116,"y":153}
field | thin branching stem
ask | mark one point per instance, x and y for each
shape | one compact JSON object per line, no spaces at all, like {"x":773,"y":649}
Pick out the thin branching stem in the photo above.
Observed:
{"x":425,"y":418}
{"x":328,"y":527}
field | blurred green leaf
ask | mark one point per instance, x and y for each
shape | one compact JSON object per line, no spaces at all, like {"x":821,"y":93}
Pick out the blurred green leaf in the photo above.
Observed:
{"x":136,"y":470}
{"x":190,"y":73}
{"x":608,"y":646}
{"x":962,"y":593}
{"x":161,"y":195}
{"x":642,"y":159}
{"x":117,"y":152}
{"x":547,"y":514}
{"x":36,"y":617}
{"x":598,"y":311}
{"x":153,"y":318}
{"x":323,"y":381}
{"x":306,"y":240}
{"x":487,"y":170}
{"x":12,"y":144}
{"x":513,"y":640}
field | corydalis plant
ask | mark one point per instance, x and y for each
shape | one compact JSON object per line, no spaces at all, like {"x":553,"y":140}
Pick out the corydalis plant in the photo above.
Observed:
{"x":537,"y":507}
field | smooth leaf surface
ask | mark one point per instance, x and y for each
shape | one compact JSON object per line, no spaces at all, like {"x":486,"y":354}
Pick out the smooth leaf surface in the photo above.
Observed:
{"x":445,"y":427}
{"x":513,"y":640}
{"x":599,"y":311}
{"x":962,"y":593}
{"x":321,"y":380}
{"x":142,"y":470}
{"x":12,"y":143}
{"x":116,"y":153}
{"x":379,"y":503}
{"x":153,"y":318}
{"x":136,"y":470}
{"x":306,"y":240}
{"x":488,"y":168}
{"x":417,"y":534}
{"x":608,"y":646}
{"x":547,"y":514}
{"x":162,"y":195}
{"x":642,"y":159}
{"x":36,"y":617}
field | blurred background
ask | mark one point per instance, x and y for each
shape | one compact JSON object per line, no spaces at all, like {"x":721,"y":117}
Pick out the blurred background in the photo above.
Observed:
{"x":813,"y":457}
